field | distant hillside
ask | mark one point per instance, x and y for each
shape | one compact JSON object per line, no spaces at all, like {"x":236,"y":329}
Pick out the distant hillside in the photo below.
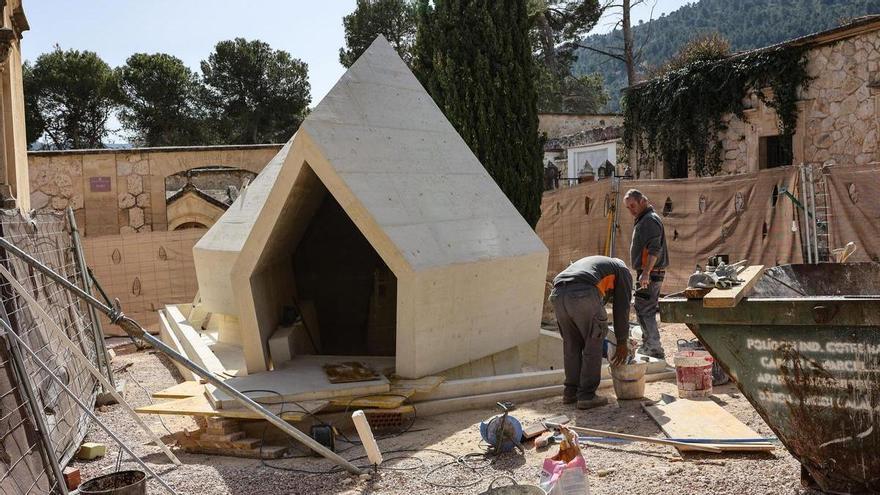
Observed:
{"x":746,"y":24}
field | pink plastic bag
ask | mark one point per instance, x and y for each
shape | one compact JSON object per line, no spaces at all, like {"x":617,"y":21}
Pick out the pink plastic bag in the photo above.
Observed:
{"x":566,"y":472}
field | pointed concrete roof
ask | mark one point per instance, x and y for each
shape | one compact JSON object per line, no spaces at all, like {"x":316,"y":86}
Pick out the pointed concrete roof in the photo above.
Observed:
{"x":403,"y":160}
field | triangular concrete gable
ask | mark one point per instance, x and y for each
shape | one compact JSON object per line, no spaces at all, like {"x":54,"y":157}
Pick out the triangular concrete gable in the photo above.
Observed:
{"x":469,"y":270}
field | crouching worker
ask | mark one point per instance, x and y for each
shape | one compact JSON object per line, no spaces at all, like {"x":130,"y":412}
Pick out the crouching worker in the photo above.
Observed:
{"x":578,"y":296}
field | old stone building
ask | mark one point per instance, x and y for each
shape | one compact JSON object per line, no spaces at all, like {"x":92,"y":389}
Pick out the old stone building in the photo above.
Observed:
{"x":838,"y":120}
{"x":14,"y":189}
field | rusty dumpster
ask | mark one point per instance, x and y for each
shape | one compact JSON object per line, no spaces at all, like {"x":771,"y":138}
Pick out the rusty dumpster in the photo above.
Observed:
{"x":804,"y":349}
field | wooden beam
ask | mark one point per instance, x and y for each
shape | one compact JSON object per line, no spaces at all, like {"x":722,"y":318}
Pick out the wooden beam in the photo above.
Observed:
{"x":199,"y":406}
{"x":729,"y":298}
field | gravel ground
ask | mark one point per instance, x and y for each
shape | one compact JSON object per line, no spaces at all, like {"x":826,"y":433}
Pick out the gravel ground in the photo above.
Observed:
{"x":614,"y":468}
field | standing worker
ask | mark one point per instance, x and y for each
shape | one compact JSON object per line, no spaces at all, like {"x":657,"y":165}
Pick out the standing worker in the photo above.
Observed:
{"x":649,"y":258}
{"x":577,"y":298}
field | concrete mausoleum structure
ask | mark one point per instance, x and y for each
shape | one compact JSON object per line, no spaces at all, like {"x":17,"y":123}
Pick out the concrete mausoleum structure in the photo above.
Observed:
{"x":379,"y":220}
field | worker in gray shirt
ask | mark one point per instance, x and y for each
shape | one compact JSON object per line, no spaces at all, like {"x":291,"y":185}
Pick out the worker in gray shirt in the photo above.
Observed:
{"x":578,"y":297}
{"x":649,"y":258}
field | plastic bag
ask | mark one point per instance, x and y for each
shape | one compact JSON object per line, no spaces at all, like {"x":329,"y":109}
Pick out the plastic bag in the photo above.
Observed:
{"x":566,"y":472}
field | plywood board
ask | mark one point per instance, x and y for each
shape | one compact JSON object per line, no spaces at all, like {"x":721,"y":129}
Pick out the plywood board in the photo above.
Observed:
{"x":302,"y":378}
{"x":181,"y":390}
{"x":704,"y":419}
{"x":371,"y":401}
{"x":728,"y":298}
{"x":199,"y":406}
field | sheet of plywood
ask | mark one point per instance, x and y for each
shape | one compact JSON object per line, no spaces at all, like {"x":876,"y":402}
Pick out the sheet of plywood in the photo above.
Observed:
{"x":302,"y":378}
{"x":728,"y":298}
{"x":199,"y":406}
{"x":371,"y":401}
{"x":182,"y":390}
{"x":704,"y":419}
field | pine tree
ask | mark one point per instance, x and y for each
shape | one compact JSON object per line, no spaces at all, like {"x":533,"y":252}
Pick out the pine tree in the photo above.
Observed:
{"x":475,"y":60}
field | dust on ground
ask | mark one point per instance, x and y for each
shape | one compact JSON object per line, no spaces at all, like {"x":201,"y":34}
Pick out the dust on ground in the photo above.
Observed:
{"x":433,"y":453}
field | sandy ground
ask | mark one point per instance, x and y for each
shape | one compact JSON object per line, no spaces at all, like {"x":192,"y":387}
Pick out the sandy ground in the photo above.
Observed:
{"x":414,"y":462}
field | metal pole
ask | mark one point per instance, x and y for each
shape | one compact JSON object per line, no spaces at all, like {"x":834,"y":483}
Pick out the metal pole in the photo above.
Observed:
{"x":50,"y":457}
{"x":97,"y":331}
{"x":815,"y":225}
{"x":85,"y":408}
{"x":135,"y":330}
{"x":615,"y":188}
{"x":802,"y":174}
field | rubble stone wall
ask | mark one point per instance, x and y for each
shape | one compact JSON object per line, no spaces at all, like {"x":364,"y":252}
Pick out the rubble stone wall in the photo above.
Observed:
{"x":839,"y":119}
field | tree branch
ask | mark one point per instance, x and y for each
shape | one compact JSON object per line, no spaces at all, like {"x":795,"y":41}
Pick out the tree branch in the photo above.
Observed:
{"x":603,"y":52}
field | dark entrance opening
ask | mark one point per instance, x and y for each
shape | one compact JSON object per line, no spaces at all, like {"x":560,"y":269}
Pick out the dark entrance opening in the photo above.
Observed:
{"x":353,"y":291}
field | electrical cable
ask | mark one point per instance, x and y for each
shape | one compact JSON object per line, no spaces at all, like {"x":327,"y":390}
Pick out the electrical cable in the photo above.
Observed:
{"x":466,"y":461}
{"x":150,"y":399}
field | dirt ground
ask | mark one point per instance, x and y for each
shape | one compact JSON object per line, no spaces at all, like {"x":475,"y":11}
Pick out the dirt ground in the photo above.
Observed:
{"x":429,"y":455}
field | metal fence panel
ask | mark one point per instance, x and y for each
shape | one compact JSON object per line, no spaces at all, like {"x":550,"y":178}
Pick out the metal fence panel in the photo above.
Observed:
{"x":48,"y":238}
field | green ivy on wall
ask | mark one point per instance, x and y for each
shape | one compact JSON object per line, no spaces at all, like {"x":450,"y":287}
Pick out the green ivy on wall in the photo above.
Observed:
{"x":683,"y":110}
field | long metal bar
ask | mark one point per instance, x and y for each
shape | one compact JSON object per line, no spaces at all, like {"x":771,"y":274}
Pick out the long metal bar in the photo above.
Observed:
{"x":638,"y":438}
{"x":79,"y":402}
{"x":97,"y":331}
{"x":806,"y":233}
{"x":78,"y":354}
{"x":135,"y":330}
{"x":50,"y":457}
{"x":815,"y":225}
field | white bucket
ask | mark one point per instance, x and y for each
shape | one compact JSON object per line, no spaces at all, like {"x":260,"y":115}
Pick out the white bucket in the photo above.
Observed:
{"x":693,"y":374}
{"x":629,"y":380}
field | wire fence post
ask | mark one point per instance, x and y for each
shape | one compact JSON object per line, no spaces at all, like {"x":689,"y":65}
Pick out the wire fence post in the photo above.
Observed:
{"x":47,"y":450}
{"x":79,"y":258}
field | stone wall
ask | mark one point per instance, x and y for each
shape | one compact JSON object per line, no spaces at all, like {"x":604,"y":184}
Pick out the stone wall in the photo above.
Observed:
{"x":839,"y":119}
{"x":563,"y":124}
{"x":123,"y":191}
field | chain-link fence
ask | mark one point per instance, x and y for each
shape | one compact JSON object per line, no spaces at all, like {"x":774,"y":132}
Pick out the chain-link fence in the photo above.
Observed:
{"x":41,"y":426}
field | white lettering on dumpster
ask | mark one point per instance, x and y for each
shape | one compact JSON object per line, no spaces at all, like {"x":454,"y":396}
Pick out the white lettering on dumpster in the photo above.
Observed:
{"x":818,"y":374}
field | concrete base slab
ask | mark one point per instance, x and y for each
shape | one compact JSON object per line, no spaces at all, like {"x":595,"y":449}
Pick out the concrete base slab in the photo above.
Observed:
{"x":302,"y":378}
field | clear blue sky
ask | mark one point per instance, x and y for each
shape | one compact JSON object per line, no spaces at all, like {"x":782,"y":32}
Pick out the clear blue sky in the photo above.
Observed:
{"x":310,"y":30}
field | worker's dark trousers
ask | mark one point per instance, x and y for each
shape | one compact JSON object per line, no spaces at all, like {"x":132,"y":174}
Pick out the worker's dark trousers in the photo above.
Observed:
{"x":646,"y":310}
{"x":583,"y":324}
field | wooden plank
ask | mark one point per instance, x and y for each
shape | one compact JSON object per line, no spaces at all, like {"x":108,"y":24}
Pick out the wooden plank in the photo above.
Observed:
{"x":702,"y":419}
{"x":199,"y":406}
{"x":370,"y":401}
{"x":182,"y":390}
{"x":302,"y":378}
{"x":729,"y":298}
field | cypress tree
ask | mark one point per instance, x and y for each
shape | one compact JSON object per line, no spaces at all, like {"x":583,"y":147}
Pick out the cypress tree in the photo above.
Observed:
{"x":474,"y":58}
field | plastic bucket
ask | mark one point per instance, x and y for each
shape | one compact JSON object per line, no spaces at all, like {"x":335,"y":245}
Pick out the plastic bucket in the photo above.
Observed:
{"x":629,"y":380}
{"x":119,"y":483}
{"x":693,"y":373}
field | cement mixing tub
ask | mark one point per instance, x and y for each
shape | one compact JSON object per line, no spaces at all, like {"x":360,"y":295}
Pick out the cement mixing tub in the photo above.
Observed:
{"x":804,"y":349}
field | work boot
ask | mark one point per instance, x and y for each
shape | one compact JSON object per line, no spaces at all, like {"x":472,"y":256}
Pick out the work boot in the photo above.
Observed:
{"x":591,"y":403}
{"x":654,"y":352}
{"x":569,"y":399}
